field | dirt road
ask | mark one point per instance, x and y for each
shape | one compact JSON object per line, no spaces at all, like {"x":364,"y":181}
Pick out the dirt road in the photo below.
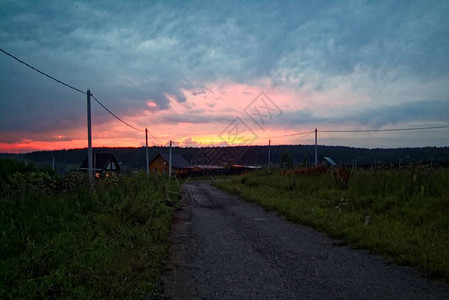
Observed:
{"x":226,"y":248}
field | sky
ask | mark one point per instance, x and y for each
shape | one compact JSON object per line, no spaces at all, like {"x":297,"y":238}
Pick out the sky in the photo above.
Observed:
{"x":224,"y":72}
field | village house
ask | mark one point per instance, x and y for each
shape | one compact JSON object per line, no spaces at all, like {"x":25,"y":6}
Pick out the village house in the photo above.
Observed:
{"x":102,"y":163}
{"x":327,"y":161}
{"x":180,"y":167}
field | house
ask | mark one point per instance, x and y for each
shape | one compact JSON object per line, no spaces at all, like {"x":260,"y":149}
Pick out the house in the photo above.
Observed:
{"x":102,"y":163}
{"x":180,"y":167}
{"x":327,"y":161}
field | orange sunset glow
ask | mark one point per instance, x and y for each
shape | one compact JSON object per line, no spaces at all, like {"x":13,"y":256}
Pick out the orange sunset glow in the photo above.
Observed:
{"x":220,"y":76}
{"x":209,"y":117}
{"x":203,"y":119}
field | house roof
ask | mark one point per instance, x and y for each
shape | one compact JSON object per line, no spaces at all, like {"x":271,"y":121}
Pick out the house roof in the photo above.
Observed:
{"x":330,"y":161}
{"x":178,"y":160}
{"x":209,"y":167}
{"x":100,"y":161}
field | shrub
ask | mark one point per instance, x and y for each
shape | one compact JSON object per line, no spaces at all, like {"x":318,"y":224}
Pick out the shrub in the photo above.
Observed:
{"x":59,"y":240}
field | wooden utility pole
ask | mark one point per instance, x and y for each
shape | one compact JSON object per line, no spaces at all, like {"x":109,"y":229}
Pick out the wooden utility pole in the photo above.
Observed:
{"x":146,"y":150}
{"x":269,"y":157}
{"x":316,"y":147}
{"x":169,"y":162}
{"x":89,"y":142}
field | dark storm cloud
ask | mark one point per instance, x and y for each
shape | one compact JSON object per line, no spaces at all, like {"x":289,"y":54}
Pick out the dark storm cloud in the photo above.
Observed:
{"x":374,"y":117}
{"x":132,"y":52}
{"x":416,"y":111}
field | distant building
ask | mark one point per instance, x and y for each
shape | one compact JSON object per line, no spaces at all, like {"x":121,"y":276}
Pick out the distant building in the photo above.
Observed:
{"x":208,"y":170}
{"x":102,"y":164}
{"x":180,"y":167}
{"x":327,"y":161}
{"x":243,"y":169}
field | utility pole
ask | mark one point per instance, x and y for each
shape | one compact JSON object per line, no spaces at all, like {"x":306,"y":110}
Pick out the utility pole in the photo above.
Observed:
{"x":316,"y":147}
{"x":146,"y":154}
{"x":269,"y":157}
{"x":89,"y":142}
{"x":169,"y":161}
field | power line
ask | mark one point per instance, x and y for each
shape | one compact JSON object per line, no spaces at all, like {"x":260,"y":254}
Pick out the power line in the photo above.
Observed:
{"x":279,"y":136}
{"x":72,"y":87}
{"x":114,"y":115}
{"x":154,"y":137}
{"x":305,"y":133}
{"x":43,"y":73}
{"x":300,"y":138}
{"x":287,"y":135}
{"x":385,"y":130}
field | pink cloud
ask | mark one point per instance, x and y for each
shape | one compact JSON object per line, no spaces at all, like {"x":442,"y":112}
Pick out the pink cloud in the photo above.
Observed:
{"x":199,"y":120}
{"x":151,"y":104}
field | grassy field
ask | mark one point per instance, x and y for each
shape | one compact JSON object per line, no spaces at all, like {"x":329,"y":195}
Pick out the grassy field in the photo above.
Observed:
{"x":408,"y":210}
{"x":61,"y":241}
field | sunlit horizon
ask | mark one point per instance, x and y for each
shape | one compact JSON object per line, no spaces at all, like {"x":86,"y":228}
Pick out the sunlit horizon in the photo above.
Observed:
{"x":213,"y":76}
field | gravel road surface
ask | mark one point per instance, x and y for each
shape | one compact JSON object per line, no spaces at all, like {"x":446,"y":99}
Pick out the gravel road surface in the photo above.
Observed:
{"x":226,"y":248}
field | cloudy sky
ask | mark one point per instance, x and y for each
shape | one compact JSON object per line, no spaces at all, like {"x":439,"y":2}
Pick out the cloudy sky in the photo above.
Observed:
{"x":201,"y":72}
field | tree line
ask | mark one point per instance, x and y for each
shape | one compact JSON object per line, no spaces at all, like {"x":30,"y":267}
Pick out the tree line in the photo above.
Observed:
{"x":295,"y":155}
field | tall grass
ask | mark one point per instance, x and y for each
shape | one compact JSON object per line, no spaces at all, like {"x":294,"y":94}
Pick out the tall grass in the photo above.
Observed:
{"x":408,"y":210}
{"x":61,"y":241}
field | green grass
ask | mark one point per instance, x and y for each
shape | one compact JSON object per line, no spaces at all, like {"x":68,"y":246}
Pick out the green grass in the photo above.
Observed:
{"x":408,"y":210}
{"x":61,"y":241}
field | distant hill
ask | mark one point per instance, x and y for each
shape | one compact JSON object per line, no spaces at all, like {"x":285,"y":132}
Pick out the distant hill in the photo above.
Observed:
{"x":134,"y":158}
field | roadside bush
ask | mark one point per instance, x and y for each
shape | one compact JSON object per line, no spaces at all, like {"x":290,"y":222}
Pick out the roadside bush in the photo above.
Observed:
{"x":59,"y":240}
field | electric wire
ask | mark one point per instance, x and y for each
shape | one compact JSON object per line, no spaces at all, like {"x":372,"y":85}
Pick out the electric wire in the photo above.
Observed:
{"x":72,"y":87}
{"x":287,"y":135}
{"x":305,"y":134}
{"x":114,"y":115}
{"x":300,"y":138}
{"x":384,"y":130}
{"x":43,"y":73}
{"x":273,"y":137}
{"x":154,"y":136}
